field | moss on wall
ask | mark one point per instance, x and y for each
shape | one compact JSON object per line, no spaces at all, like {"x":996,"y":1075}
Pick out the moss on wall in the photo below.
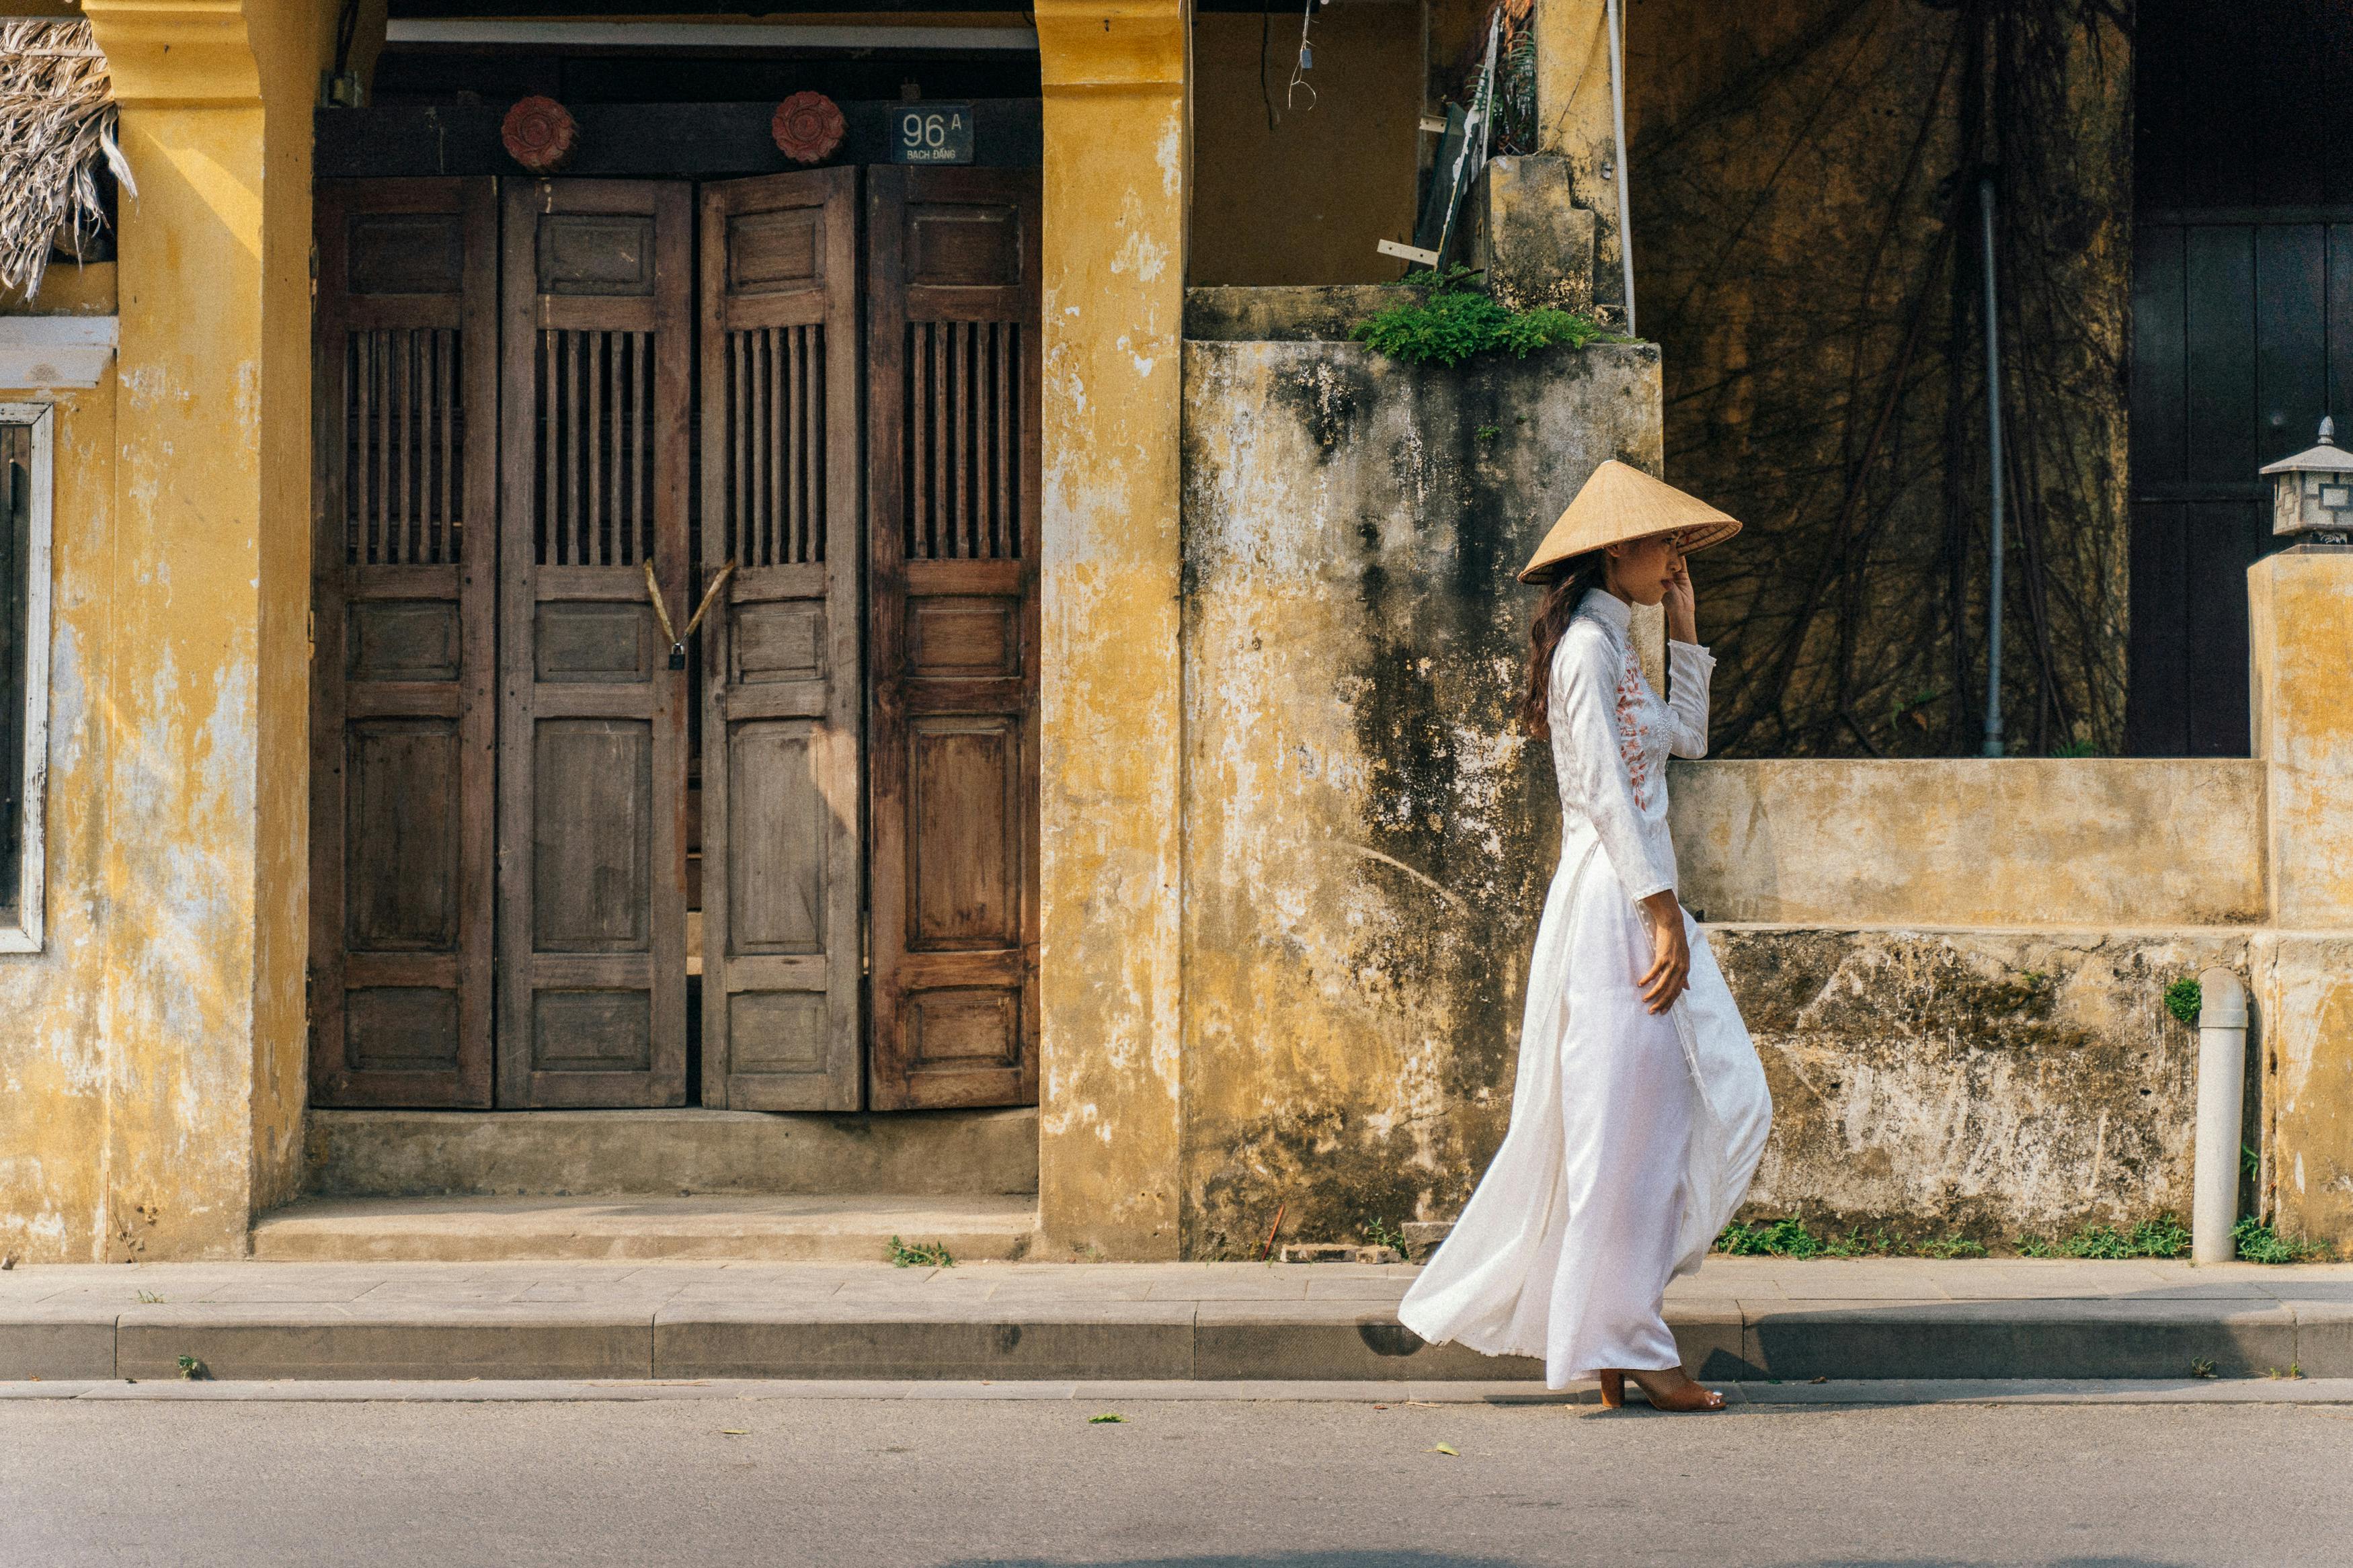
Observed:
{"x":1368,"y":839}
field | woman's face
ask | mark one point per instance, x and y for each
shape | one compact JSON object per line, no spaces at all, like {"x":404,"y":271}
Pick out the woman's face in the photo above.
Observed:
{"x":1641,"y":570}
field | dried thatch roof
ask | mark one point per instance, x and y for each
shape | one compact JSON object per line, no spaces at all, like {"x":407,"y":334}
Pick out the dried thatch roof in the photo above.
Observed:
{"x":57,"y":123}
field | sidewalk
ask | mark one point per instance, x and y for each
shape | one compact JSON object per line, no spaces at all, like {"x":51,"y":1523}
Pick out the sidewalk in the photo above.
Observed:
{"x":1738,"y":1319}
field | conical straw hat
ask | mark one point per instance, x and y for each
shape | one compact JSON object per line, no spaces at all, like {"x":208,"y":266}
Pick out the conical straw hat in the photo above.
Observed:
{"x":1622,"y":502}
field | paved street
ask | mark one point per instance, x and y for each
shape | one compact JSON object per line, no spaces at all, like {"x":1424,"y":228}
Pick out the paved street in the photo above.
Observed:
{"x":1199,"y":1484}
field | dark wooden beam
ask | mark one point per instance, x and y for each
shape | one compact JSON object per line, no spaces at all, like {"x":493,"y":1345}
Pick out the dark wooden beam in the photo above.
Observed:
{"x":635,"y":141}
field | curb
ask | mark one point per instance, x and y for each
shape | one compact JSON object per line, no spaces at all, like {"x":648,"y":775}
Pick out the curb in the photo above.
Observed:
{"x":1160,"y":1341}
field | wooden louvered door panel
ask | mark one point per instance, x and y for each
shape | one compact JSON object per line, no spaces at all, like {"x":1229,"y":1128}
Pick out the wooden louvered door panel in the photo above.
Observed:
{"x":592,"y":722}
{"x":405,"y":483}
{"x":953,"y":494}
{"x":782,"y":775}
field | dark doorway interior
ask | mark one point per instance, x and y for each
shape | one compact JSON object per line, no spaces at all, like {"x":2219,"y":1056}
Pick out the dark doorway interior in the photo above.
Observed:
{"x":2242,"y":329}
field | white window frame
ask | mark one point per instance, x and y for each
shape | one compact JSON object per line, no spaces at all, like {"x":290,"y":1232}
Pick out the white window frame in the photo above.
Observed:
{"x":23,"y":934}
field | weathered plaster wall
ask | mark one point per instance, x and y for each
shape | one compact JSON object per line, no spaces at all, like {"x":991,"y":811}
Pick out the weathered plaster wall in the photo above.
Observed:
{"x":54,"y":1073}
{"x":1960,"y":999}
{"x":2080,"y":842}
{"x":1113,"y":249}
{"x":1993,"y":1084}
{"x":156,"y":1100}
{"x":1367,"y":838}
{"x":2301,"y":629}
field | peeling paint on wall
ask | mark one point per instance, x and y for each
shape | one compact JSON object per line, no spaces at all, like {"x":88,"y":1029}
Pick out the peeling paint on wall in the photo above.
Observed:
{"x":1368,"y":836}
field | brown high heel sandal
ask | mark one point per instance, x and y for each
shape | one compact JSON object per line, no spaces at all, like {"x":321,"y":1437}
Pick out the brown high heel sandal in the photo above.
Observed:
{"x":1689,"y":1397}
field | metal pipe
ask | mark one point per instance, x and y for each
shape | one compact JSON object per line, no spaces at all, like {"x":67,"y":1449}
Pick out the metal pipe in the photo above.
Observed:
{"x":1625,"y":204}
{"x":2221,"y":1095}
{"x":1993,"y":470}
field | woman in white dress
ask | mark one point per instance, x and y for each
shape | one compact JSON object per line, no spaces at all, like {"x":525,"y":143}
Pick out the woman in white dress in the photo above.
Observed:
{"x":1640,"y":1107}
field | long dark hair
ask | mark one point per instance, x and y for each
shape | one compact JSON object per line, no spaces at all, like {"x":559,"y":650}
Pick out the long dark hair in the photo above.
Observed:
{"x":1579,"y":576}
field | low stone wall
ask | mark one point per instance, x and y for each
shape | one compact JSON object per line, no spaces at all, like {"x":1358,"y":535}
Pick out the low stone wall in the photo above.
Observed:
{"x":1954,"y":970}
{"x":2090,"y":842}
{"x":1992,"y":1084}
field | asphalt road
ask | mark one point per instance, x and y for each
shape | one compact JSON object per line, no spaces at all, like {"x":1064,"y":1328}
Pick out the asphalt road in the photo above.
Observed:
{"x":1199,"y":1485}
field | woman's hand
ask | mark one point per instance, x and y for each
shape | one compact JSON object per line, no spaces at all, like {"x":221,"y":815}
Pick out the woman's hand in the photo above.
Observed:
{"x":1670,"y":969}
{"x":1682,"y":612}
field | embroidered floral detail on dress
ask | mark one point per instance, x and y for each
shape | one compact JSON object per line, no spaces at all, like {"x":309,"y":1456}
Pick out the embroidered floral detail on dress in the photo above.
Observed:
{"x":1631,"y":704}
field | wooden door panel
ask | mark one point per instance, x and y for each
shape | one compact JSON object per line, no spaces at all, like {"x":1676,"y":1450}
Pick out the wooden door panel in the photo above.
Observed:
{"x":953,"y":486}
{"x":405,"y":395}
{"x":781,"y":773}
{"x":595,"y":387}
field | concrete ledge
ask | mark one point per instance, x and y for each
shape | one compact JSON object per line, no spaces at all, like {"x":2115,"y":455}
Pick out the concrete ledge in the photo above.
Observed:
{"x":80,"y":1346}
{"x":1891,"y":1322}
{"x":1139,"y":1340}
{"x":312,"y":1347}
{"x":667,"y":1153}
{"x":2043,"y":1339}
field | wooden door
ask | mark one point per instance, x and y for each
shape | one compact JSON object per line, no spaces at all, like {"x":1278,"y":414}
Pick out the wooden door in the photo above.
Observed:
{"x":782,"y":774}
{"x":953,"y":491}
{"x":404,"y":394}
{"x":592,"y":720}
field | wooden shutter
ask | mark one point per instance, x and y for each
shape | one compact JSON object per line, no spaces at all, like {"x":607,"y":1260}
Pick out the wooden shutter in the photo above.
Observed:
{"x":952,"y":485}
{"x":404,"y":389}
{"x":592,"y":723}
{"x":781,"y":767}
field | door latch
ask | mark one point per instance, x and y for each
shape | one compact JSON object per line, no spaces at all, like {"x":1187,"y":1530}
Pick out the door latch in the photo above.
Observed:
{"x":661,"y":610}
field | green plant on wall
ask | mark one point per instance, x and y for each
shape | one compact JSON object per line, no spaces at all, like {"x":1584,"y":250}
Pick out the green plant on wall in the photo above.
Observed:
{"x":2182,"y":999}
{"x":1456,"y":320}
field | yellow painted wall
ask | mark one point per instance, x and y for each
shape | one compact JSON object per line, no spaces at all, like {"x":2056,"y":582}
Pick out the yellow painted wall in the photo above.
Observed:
{"x":1305,"y":199}
{"x":1116,"y":164}
{"x":56,"y":1077}
{"x":158,"y":1097}
{"x":2300,"y":622}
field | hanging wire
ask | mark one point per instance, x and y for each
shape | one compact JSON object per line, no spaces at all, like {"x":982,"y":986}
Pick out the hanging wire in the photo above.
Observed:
{"x":1306,"y":64}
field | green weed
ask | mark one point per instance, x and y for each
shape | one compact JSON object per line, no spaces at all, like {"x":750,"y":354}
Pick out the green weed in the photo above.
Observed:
{"x":1774,"y":1238}
{"x":2183,"y":1000}
{"x":1381,"y":1232}
{"x":1952,"y":1245}
{"x":2164,"y":1237}
{"x":1457,"y":319}
{"x":2259,"y":1243}
{"x":922,"y":1254}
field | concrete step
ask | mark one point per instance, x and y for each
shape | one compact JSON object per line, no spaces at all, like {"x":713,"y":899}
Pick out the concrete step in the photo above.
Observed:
{"x":802,"y":1228}
{"x":667,"y":1153}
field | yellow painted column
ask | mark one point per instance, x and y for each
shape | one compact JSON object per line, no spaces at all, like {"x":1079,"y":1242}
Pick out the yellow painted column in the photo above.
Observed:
{"x":205,"y":686}
{"x":2300,"y":621}
{"x":1573,"y":120}
{"x":1116,"y":167}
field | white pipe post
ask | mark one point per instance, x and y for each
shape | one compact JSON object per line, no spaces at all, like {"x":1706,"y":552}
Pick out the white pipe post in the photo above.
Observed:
{"x":2221,"y":1093}
{"x":1618,"y":157}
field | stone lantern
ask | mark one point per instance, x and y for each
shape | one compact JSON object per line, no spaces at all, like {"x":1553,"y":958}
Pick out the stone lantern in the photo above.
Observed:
{"x":2312,"y":492}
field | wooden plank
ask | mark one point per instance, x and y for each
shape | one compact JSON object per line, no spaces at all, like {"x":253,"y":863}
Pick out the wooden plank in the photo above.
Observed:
{"x":401,"y":718}
{"x":953,"y":627}
{"x":782,"y":870}
{"x":592,"y":776}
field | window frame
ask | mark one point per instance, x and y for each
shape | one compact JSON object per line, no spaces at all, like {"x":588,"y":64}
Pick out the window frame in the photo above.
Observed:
{"x":21,"y":930}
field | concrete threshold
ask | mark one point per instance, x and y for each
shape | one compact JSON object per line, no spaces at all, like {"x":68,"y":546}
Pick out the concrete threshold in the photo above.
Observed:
{"x":1872,"y":1325}
{"x":773,"y":1228}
